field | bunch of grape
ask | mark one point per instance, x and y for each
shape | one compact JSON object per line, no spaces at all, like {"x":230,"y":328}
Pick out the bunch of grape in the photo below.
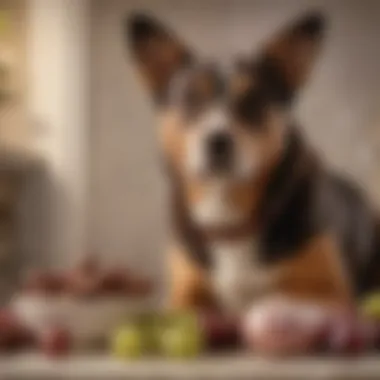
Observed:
{"x":87,"y":279}
{"x":176,"y":335}
{"x":15,"y":336}
{"x":275,"y":328}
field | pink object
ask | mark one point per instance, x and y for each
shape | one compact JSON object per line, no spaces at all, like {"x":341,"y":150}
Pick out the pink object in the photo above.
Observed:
{"x":279,"y":327}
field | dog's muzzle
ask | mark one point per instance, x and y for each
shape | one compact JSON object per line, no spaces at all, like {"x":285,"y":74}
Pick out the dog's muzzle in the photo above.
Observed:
{"x":219,"y":151}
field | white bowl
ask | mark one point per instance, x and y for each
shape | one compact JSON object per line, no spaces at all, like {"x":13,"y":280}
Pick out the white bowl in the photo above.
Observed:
{"x":87,"y":320}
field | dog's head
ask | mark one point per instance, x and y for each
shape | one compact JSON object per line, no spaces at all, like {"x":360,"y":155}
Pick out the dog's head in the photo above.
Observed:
{"x":223,"y":122}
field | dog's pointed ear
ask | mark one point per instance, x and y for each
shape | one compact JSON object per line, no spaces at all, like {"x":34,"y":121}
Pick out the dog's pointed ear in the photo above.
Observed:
{"x":290,"y":55}
{"x":159,"y":54}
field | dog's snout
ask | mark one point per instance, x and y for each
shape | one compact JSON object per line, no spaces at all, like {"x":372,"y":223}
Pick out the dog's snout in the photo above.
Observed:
{"x":220,"y":144}
{"x":220,"y":150}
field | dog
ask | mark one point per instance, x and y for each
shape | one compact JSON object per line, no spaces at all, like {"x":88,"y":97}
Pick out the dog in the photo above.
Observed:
{"x":255,"y":211}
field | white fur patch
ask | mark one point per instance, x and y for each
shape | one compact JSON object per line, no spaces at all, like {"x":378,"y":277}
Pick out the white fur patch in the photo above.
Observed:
{"x":213,"y":209}
{"x":238,"y":277}
{"x":214,"y":120}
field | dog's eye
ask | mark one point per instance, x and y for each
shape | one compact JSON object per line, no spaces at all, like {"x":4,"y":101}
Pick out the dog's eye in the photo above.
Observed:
{"x":196,"y":99}
{"x":203,"y":88}
{"x":192,"y":103}
{"x":250,"y":109}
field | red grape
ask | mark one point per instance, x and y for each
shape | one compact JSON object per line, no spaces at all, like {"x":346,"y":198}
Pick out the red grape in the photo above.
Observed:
{"x":220,"y":331}
{"x":349,"y":334}
{"x":113,"y":282}
{"x":56,"y":341}
{"x":13,"y":335}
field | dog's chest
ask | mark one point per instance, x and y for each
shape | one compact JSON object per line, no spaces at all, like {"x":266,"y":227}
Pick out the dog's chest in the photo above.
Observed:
{"x":214,"y":208}
{"x":238,"y":277}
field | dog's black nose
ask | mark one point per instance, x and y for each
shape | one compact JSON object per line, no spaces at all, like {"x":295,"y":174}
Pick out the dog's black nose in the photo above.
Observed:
{"x":220,"y":150}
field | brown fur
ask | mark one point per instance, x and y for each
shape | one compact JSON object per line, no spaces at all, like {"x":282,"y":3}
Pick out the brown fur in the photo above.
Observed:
{"x":171,"y":137}
{"x":203,"y":86}
{"x":240,"y":83}
{"x":245,"y":195}
{"x":316,"y":272}
{"x":189,"y":285}
{"x":295,"y":54}
{"x":307,"y":261}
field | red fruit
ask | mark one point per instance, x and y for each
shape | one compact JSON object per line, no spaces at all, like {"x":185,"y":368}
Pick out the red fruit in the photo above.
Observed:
{"x":26,"y":337}
{"x":55,"y":283}
{"x":220,"y":331}
{"x":8,"y":324}
{"x":7,"y":318}
{"x":114,"y":282}
{"x":81,"y":285}
{"x":21,"y":337}
{"x":138,"y":287}
{"x":349,"y":335}
{"x":13,"y":335}
{"x":376,"y":334}
{"x":56,"y":341}
{"x":83,"y":281}
{"x":43,"y":282}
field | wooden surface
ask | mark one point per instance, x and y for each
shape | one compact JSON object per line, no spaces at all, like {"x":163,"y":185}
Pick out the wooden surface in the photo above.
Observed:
{"x":32,"y":366}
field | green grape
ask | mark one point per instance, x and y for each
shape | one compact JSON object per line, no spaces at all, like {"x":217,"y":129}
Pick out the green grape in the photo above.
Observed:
{"x":128,"y":342}
{"x":371,"y":305}
{"x":181,"y":341}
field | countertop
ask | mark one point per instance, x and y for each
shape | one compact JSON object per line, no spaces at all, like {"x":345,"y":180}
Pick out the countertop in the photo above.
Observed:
{"x":36,"y":366}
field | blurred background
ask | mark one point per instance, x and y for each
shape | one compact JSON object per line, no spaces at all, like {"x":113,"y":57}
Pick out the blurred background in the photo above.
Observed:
{"x":80,"y":169}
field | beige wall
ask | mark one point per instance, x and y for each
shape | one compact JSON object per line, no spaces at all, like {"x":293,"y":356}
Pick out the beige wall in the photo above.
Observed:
{"x":338,"y":108}
{"x":54,"y":203}
{"x":14,"y":133}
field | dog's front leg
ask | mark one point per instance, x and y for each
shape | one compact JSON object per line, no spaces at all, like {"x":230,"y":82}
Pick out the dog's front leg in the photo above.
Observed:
{"x":310,"y":290}
{"x":189,"y":284}
{"x":316,"y":274}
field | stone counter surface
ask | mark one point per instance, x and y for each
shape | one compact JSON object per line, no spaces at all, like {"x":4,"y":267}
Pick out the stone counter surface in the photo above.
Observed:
{"x":35,"y":366}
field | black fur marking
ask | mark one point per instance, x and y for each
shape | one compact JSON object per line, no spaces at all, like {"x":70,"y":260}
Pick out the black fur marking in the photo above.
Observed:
{"x":349,"y":215}
{"x":369,"y":278}
{"x":270,"y":74}
{"x":250,"y":108}
{"x":287,"y":214}
{"x":268,"y":89}
{"x":311,"y":25}
{"x":193,"y":99}
{"x":301,"y":201}
{"x":140,"y":28}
